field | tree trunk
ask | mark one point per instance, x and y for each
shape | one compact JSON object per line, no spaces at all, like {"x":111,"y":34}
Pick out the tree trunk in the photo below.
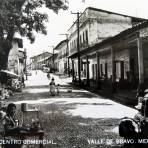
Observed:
{"x":5,"y":47}
{"x":3,"y":61}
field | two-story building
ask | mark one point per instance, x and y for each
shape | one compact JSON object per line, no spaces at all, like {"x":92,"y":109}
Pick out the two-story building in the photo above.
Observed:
{"x":122,"y":59}
{"x":95,"y":26}
{"x":62,"y":58}
{"x":39,"y":60}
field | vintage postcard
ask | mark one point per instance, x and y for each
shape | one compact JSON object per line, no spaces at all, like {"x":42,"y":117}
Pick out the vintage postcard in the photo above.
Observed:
{"x":73,"y":74}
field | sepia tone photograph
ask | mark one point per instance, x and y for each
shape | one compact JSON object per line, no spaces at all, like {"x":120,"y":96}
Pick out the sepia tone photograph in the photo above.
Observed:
{"x":73,"y":74}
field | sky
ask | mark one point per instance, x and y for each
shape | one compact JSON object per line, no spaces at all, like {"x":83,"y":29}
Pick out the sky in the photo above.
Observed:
{"x":61,"y":22}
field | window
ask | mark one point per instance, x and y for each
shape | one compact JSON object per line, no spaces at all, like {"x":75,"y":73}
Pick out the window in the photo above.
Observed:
{"x":74,"y":44}
{"x":132,"y":66}
{"x":93,"y":71}
{"x":81,"y":65}
{"x":96,"y":71}
{"x":70,"y":45}
{"x":101,"y":69}
{"x":106,"y":70}
{"x":86,"y":36}
{"x":80,"y":39}
{"x":83,"y":37}
{"x":76,"y":41}
{"x":118,"y":70}
{"x":122,"y":69}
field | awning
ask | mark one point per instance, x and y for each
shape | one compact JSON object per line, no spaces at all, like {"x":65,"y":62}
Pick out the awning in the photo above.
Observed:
{"x":10,"y":73}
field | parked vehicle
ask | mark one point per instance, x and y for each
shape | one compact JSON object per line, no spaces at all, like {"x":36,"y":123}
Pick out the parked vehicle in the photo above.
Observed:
{"x":46,"y":69}
{"x":136,"y":128}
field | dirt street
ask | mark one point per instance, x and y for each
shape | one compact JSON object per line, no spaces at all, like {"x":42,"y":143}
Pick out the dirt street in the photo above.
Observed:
{"x":74,"y":118}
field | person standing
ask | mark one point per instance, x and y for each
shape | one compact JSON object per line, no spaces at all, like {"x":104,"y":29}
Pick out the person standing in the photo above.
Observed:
{"x":58,"y":89}
{"x":23,"y":81}
{"x":48,"y":76}
{"x":52,"y":87}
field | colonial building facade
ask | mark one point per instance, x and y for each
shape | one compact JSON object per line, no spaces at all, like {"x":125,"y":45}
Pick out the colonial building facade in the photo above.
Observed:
{"x":101,"y":60}
{"x":122,"y":59}
{"x":62,"y":58}
{"x":38,"y":61}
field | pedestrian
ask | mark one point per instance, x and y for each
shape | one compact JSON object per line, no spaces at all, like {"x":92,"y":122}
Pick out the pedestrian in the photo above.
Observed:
{"x":52,"y":87}
{"x":23,"y":81}
{"x":58,"y":89}
{"x":48,"y":76}
{"x":10,"y":127}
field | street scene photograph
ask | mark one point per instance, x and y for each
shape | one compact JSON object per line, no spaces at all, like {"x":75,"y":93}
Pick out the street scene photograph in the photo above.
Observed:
{"x":73,"y":74}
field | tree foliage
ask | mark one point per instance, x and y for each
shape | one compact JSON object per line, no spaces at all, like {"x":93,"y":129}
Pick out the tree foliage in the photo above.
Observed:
{"x":23,"y":17}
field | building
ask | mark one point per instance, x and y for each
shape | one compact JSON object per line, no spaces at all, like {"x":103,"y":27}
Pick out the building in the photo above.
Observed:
{"x":16,"y":57}
{"x":95,"y":27}
{"x":22,"y":61}
{"x":62,"y":58}
{"x":121,"y":60}
{"x":38,"y":61}
{"x":52,"y":62}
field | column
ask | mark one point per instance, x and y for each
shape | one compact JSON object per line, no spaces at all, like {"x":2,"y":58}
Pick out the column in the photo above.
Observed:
{"x":98,"y":71}
{"x":140,"y":61}
{"x":113,"y":70}
{"x":78,"y":48}
{"x":87,"y":65}
{"x":68,"y":68}
{"x":73,"y":72}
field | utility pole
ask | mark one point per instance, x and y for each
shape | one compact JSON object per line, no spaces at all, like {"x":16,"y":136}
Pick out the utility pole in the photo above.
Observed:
{"x":67,"y":53}
{"x":52,"y":56}
{"x":78,"y":46}
{"x":44,"y":56}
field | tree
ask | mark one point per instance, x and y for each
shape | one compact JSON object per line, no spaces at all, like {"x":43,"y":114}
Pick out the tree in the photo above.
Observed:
{"x":23,"y":17}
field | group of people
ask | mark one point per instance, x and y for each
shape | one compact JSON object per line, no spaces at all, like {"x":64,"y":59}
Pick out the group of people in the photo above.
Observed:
{"x":10,"y":86}
{"x":53,"y":88}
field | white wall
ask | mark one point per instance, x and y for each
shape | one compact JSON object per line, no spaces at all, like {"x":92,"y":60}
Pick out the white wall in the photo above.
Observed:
{"x":100,"y":25}
{"x":13,"y":60}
